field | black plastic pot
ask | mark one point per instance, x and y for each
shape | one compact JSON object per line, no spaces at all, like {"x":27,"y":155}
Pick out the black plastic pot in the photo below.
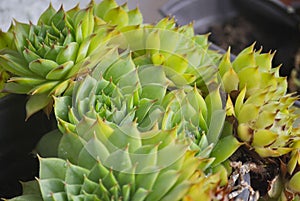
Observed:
{"x":202,"y":12}
{"x":17,"y":139}
{"x":275,"y":26}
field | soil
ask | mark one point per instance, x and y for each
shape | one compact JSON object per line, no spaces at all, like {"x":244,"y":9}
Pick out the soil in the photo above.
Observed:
{"x":262,"y":170}
{"x":240,"y":32}
{"x":236,"y":33}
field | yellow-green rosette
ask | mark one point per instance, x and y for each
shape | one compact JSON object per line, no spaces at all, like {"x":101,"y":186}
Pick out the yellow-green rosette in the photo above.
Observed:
{"x":45,"y":59}
{"x":260,"y":113}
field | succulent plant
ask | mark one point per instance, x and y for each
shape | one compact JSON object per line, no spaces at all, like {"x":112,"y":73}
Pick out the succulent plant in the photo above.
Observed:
{"x":46,"y":58}
{"x":148,"y":111}
{"x":259,"y":109}
{"x":102,"y":162}
{"x":124,"y":106}
{"x":259,"y":102}
{"x":129,"y":89}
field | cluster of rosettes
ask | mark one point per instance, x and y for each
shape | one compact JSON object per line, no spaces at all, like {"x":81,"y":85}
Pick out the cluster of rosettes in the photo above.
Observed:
{"x":146,"y":111}
{"x":130,"y":128}
{"x":129,"y":138}
{"x":136,"y":101}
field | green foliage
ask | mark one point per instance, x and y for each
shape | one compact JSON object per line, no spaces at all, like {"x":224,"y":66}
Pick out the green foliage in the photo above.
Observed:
{"x":146,"y":111}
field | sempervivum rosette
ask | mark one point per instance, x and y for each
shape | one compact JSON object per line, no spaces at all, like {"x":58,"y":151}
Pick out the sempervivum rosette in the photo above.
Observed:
{"x":110,"y":163}
{"x":46,"y":58}
{"x":261,"y":113}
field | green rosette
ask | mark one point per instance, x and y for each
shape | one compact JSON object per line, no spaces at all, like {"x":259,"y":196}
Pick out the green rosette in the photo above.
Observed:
{"x":260,"y":113}
{"x":45,"y":59}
